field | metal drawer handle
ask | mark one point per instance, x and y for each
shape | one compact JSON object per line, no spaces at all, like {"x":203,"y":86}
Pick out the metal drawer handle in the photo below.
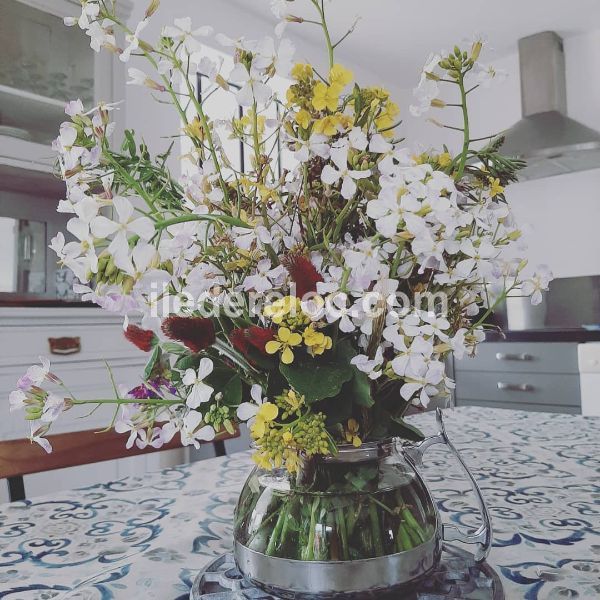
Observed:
{"x":515,"y":387}
{"x":65,"y":345}
{"x":521,"y":357}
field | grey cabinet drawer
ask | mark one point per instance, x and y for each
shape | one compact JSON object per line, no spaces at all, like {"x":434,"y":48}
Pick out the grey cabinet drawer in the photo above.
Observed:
{"x":570,"y":410}
{"x":522,"y":357}
{"x":521,"y":388}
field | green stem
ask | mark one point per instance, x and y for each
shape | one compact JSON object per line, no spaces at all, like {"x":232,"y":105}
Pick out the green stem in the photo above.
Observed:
{"x":310,"y":549}
{"x":271,"y":547}
{"x":341,"y":521}
{"x":466,"y":134}
{"x":376,"y":529}
{"x":192,"y":217}
{"x":119,"y":401}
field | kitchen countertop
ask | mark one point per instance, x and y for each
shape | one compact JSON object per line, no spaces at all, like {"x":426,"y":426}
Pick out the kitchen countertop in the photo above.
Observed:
{"x":147,"y":537}
{"x":551,"y":334}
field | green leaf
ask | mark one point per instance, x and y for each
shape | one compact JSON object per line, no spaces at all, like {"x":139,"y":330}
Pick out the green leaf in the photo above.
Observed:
{"x":360,"y":388}
{"x":232,"y":392}
{"x":317,"y":380}
{"x":174,"y":348}
{"x":154,"y":358}
{"x":399,"y":427}
{"x":189,"y":361}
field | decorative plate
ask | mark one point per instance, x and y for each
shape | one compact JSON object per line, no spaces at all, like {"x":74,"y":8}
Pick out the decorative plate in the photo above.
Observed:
{"x":458,"y":576}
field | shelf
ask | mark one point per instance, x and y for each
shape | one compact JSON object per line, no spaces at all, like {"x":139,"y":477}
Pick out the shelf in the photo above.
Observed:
{"x":39,"y":115}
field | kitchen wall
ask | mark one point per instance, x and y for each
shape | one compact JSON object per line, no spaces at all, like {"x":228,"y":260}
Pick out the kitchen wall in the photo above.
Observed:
{"x":560,"y":215}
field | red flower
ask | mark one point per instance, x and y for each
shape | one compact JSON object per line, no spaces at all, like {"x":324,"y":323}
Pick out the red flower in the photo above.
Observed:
{"x":256,"y":337}
{"x":196,"y":333}
{"x":142,"y":338}
{"x":303,"y":273}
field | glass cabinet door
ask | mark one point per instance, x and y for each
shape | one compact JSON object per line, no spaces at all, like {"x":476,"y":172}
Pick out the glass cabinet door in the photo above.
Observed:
{"x":43,"y":64}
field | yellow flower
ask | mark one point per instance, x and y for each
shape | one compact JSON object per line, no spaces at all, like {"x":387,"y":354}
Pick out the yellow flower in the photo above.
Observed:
{"x":444,"y":159}
{"x":326,"y":97}
{"x":292,"y":460}
{"x":316,"y":341}
{"x":302,"y":71}
{"x":351,"y":433}
{"x":387,"y":119}
{"x":495,"y":187}
{"x":340,"y":76}
{"x":262,"y":460}
{"x":327,"y":125}
{"x":294,"y":399}
{"x":284,"y":341}
{"x":303,"y":118}
{"x":280,"y":309}
{"x":266,"y":413}
{"x":194,"y":129}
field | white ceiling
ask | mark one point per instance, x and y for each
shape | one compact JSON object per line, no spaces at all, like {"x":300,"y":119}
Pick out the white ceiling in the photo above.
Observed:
{"x":395,"y":36}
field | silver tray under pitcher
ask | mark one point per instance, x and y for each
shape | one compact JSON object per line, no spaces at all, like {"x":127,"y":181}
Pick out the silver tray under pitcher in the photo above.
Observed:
{"x":458,"y":575}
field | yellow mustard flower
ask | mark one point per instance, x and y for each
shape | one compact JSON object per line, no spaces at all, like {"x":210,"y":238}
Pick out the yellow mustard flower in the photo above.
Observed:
{"x":294,"y":399}
{"x":280,"y":309}
{"x":284,"y":341}
{"x":316,"y":341}
{"x":495,"y":187}
{"x":303,"y":118}
{"x":351,"y":433}
{"x":340,"y":76}
{"x":266,"y":413}
{"x":444,"y":159}
{"x":302,"y":71}
{"x":262,"y":460}
{"x":327,"y":125}
{"x":292,"y":460}
{"x":326,"y":97}
{"x":387,"y":118}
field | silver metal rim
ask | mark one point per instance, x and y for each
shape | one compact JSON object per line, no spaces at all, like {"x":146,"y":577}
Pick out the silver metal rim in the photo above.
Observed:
{"x":328,"y":578}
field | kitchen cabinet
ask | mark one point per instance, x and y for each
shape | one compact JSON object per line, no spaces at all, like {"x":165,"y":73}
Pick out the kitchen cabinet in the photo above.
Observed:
{"x":534,"y":376}
{"x":82,"y":339}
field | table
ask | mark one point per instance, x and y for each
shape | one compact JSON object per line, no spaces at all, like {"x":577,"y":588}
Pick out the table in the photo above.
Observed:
{"x":147,"y":537}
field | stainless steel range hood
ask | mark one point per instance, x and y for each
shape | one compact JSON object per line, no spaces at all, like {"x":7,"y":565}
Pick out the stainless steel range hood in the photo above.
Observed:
{"x":550,"y":142}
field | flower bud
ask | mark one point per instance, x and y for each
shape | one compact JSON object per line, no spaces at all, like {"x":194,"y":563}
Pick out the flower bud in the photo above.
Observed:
{"x":438,"y":103}
{"x":152,"y":8}
{"x":476,"y":50}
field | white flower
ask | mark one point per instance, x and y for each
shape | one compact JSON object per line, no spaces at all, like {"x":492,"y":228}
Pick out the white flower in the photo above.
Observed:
{"x":36,"y":374}
{"x":125,"y":225}
{"x":74,"y":108}
{"x":264,"y":278}
{"x":247,"y":410}
{"x":358,"y":139}
{"x":330,"y":175}
{"x":411,"y":360}
{"x":37,"y":437}
{"x":537,"y":284}
{"x":427,"y":89}
{"x":390,"y":208}
{"x":281,"y":59}
{"x":252,"y":86}
{"x":133,"y":41}
{"x":424,"y":383}
{"x":316,"y":145}
{"x":138,"y":77}
{"x":53,"y":406}
{"x":369,"y":366}
{"x":200,"y":392}
{"x":181,"y":31}
{"x":129,"y":421}
{"x":16,"y":400}
{"x":191,"y":432}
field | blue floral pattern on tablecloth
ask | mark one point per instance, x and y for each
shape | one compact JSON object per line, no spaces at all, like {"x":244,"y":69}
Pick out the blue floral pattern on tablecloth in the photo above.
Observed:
{"x":147,"y":537}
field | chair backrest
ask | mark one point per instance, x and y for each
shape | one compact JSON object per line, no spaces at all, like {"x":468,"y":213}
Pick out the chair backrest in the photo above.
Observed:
{"x":22,"y":457}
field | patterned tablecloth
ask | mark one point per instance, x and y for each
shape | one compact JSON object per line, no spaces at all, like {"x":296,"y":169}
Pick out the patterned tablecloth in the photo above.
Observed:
{"x":146,"y":538}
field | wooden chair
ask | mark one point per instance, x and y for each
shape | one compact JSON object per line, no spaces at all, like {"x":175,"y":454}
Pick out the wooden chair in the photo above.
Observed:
{"x":21,"y":457}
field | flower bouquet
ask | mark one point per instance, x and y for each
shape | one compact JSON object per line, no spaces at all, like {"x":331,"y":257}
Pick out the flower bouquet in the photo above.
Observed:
{"x":313,"y":294}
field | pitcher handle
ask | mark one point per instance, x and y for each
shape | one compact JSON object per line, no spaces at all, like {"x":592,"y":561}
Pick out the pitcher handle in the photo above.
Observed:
{"x":482,"y":538}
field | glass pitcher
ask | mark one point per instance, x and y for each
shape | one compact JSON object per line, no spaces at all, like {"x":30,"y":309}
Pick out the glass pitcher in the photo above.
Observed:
{"x":358,"y":524}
